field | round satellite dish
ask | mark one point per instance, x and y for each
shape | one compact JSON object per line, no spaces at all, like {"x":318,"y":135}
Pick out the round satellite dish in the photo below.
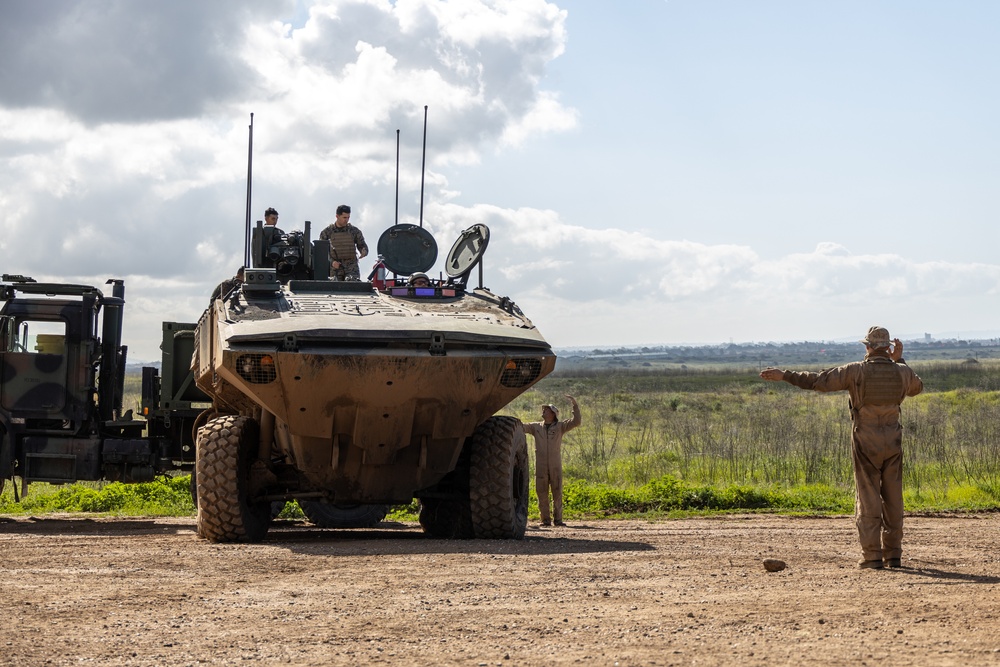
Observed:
{"x":407,"y":249}
{"x":467,"y":251}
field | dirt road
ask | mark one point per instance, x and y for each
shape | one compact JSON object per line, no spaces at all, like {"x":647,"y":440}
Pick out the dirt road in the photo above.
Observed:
{"x":689,"y":592}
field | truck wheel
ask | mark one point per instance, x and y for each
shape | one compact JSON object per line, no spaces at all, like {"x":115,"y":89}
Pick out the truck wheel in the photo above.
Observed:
{"x":226,"y":447}
{"x":498,"y":479}
{"x":446,"y":515}
{"x":327,"y":515}
{"x":445,"y":518}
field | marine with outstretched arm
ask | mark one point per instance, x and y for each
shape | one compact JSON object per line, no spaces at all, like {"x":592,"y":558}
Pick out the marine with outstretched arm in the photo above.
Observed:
{"x":877,"y":386}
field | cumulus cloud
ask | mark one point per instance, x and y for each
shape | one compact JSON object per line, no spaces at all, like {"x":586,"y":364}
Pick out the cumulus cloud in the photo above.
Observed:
{"x":118,"y":61}
{"x":123,"y":143}
{"x":123,"y":126}
{"x":586,"y":286}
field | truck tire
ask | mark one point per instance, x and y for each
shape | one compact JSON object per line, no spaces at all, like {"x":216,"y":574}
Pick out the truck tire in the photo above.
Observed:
{"x":445,"y":513}
{"x":327,"y":515}
{"x":498,"y":479}
{"x":445,"y":518}
{"x":226,"y":447}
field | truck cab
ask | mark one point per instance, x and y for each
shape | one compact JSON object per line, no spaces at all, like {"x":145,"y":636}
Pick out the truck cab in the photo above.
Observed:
{"x":62,"y":377}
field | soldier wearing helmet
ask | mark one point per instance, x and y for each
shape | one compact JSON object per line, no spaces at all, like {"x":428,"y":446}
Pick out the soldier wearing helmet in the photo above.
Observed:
{"x":877,"y":386}
{"x":419,"y":280}
{"x":548,"y":435}
{"x":344,"y":238}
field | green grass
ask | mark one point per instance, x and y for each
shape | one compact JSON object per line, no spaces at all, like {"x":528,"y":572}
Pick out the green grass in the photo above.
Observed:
{"x":715,"y":439}
{"x":169,"y":496}
{"x":663,"y":496}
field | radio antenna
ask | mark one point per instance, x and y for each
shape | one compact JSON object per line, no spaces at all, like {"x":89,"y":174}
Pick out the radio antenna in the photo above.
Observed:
{"x":246,"y":235}
{"x":397,"y":176}
{"x":423,"y":162}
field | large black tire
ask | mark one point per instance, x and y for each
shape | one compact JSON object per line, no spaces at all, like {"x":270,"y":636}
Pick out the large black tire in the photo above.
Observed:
{"x":498,"y":479}
{"x":445,"y":513}
{"x":226,"y":448}
{"x":446,"y":518}
{"x":326,"y":515}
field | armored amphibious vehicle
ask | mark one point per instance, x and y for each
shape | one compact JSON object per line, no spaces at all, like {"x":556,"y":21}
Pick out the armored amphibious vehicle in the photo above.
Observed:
{"x":364,"y":394}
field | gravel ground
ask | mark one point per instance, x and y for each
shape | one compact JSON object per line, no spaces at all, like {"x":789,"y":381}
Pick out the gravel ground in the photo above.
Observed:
{"x":681,"y":592}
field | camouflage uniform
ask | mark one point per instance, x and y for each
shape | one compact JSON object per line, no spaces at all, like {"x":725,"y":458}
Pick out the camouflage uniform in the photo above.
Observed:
{"x":877,"y":387}
{"x":548,"y":461}
{"x":343,"y":241}
{"x":224,"y":288}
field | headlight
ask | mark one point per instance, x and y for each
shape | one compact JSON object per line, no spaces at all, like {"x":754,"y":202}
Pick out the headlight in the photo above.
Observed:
{"x":257,"y":368}
{"x":520,"y":372}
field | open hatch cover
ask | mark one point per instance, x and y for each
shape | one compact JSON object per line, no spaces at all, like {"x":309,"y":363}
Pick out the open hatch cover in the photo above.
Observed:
{"x":467,"y":251}
{"x":407,"y":249}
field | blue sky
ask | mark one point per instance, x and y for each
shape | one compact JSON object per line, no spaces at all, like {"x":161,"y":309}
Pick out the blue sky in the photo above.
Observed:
{"x":776,"y":125}
{"x":653,"y":172}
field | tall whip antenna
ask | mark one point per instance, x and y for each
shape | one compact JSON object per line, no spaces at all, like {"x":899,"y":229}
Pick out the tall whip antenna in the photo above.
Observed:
{"x":423,"y":162}
{"x":397,"y":177}
{"x":246,"y":236}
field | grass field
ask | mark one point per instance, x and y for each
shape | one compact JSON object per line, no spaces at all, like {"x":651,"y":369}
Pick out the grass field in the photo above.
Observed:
{"x":708,"y":438}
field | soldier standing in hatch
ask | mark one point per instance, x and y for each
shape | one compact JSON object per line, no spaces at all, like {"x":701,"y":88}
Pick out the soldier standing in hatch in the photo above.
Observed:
{"x":877,"y":386}
{"x":548,"y":435}
{"x":271,"y":220}
{"x":344,"y":238}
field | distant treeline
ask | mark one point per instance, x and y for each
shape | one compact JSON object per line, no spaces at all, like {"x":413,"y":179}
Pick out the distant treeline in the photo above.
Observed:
{"x":936,"y":375}
{"x":760,"y":355}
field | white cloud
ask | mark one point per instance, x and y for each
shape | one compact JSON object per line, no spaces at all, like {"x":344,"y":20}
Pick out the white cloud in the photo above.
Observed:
{"x":123,"y":148}
{"x":123,"y":126}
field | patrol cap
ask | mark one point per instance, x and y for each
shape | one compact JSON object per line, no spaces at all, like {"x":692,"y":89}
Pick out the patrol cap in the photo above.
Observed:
{"x":876,"y":337}
{"x":551,"y":407}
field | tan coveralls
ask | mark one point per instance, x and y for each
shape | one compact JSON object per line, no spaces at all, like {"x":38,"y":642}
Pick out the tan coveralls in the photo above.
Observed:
{"x":548,"y":461}
{"x":877,"y":448}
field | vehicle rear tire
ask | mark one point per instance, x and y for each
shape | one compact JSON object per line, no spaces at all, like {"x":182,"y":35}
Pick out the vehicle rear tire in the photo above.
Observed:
{"x":498,"y":479}
{"x":445,"y":518}
{"x":226,"y":448}
{"x":445,"y":513}
{"x":328,"y":515}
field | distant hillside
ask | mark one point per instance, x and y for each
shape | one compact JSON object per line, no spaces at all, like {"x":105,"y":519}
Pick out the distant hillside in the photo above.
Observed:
{"x":761,"y":355}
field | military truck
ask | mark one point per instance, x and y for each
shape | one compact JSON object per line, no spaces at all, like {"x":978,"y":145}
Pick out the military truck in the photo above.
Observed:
{"x":365,"y":393}
{"x":62,"y":386}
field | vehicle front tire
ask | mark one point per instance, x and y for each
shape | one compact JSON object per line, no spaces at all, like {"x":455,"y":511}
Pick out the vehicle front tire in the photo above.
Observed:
{"x":498,"y":479}
{"x":226,"y":448}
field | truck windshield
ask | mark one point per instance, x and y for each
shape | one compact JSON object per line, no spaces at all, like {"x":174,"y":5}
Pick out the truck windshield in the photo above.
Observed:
{"x":39,"y":336}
